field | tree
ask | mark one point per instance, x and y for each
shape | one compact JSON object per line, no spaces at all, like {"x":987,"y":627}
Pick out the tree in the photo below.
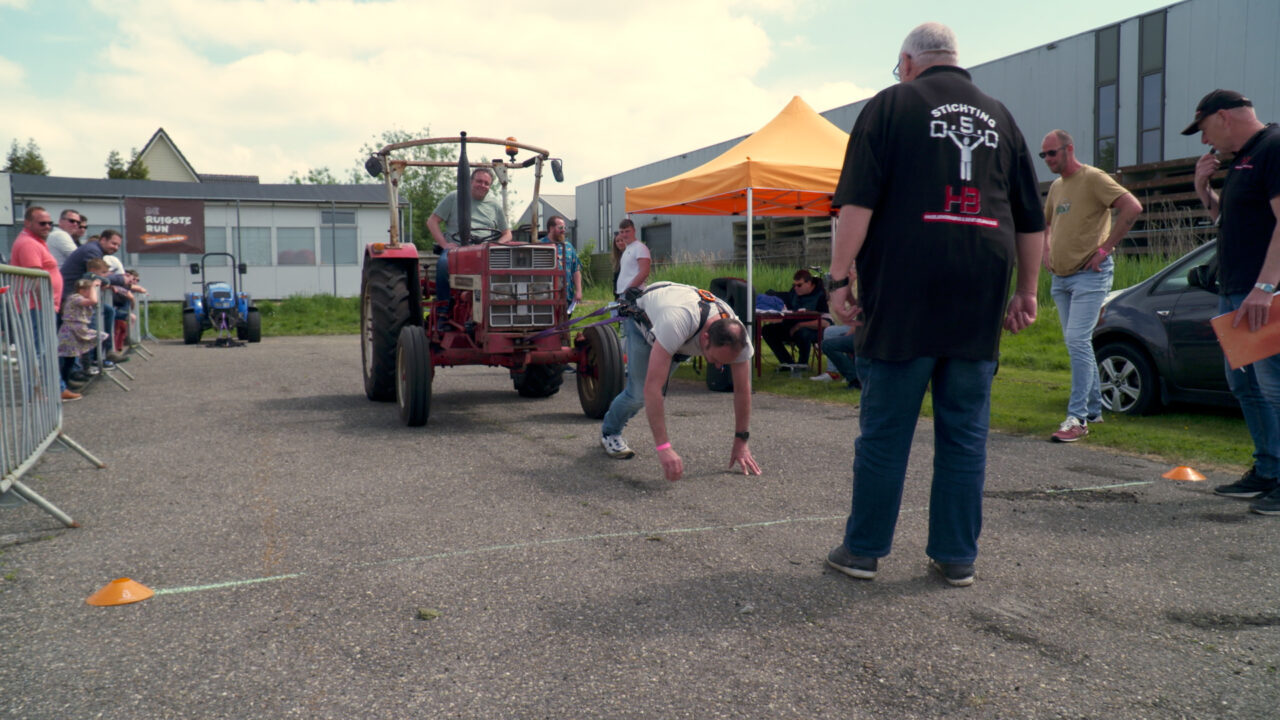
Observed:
{"x":25,"y":160}
{"x":314,"y":176}
{"x":423,"y":187}
{"x":135,"y":170}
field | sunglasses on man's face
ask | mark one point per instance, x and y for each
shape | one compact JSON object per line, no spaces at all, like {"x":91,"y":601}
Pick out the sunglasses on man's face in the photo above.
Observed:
{"x":45,"y":223}
{"x":1050,"y":153}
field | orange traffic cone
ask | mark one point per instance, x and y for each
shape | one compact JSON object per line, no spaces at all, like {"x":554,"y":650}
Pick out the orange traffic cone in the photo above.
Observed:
{"x":1182,"y":472}
{"x":120,"y":591}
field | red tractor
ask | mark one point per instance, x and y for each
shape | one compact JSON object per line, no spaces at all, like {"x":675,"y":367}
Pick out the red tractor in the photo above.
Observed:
{"x":509,"y":306}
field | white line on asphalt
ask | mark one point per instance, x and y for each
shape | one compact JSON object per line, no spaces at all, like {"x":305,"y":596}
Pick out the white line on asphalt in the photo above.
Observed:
{"x":561,"y":541}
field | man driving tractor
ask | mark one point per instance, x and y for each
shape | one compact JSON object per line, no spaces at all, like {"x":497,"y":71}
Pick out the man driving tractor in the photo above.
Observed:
{"x":485,"y":215}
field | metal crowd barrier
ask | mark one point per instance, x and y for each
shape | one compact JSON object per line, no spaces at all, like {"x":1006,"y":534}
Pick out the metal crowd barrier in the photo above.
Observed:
{"x":30,"y":392}
{"x":106,"y":297}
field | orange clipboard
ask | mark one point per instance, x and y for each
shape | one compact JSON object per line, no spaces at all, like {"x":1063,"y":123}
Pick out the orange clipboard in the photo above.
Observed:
{"x":1242,"y":347}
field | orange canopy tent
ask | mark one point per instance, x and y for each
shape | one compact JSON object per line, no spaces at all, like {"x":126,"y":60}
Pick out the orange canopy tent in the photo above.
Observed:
{"x":787,"y":168}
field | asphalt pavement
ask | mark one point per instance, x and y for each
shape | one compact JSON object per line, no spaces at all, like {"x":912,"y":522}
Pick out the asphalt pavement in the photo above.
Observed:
{"x":314,"y":558}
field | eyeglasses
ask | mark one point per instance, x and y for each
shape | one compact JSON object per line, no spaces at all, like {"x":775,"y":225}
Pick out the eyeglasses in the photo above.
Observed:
{"x":897,"y":75}
{"x":83,"y":224}
{"x":45,"y":223}
{"x":1050,"y":153}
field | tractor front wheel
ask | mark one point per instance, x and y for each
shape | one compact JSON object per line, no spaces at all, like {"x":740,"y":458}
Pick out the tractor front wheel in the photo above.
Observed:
{"x":191,"y":331}
{"x":601,"y":373}
{"x":384,"y":310}
{"x":414,"y":374}
{"x":538,"y":381}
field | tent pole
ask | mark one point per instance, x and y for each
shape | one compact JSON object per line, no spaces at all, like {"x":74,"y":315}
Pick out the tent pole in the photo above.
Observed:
{"x":751,"y":295}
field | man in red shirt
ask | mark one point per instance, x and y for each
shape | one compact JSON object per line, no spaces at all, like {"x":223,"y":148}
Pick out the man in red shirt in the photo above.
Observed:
{"x":30,"y":251}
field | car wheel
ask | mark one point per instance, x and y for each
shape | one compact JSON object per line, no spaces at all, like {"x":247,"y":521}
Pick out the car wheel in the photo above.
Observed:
{"x":1129,"y":384}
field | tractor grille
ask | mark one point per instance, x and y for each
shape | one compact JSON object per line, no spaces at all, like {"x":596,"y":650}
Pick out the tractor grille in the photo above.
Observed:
{"x":511,"y":299}
{"x":220,"y":299}
{"x":528,"y":257}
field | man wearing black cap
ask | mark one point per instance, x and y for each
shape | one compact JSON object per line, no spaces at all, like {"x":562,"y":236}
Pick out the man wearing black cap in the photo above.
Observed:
{"x":1249,"y":261}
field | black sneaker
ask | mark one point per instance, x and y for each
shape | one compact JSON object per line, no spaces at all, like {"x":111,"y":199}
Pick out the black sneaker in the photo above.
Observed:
{"x":1250,"y":485}
{"x":855,"y":566}
{"x":957,"y":574}
{"x":1268,"y":504}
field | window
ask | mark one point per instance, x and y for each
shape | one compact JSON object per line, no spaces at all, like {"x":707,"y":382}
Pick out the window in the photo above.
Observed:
{"x":338,"y":246}
{"x":1151,"y":88}
{"x":295,"y":246}
{"x":1106,"y":96}
{"x":337,"y":217}
{"x":255,"y":246}
{"x":215,"y":240}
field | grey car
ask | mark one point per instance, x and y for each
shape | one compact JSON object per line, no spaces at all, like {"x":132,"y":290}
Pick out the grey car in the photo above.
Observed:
{"x":1154,"y":343}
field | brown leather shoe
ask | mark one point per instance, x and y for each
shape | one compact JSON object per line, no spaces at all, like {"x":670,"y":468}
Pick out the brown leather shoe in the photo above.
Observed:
{"x":68,"y":396}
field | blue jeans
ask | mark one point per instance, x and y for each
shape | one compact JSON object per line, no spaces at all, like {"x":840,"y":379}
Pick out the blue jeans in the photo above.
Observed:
{"x":892,"y":393}
{"x":1257,"y":387}
{"x":442,"y":276}
{"x":1079,"y":299}
{"x":631,"y":399}
{"x":838,"y":347}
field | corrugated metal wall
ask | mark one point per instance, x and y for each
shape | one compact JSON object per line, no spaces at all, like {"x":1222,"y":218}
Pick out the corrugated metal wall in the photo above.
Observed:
{"x":1208,"y":44}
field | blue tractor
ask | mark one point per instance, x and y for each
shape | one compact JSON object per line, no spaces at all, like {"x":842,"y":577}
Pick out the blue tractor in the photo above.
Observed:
{"x":220,"y":306}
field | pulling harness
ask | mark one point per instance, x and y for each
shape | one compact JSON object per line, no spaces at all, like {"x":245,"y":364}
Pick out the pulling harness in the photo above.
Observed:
{"x":628,"y":306}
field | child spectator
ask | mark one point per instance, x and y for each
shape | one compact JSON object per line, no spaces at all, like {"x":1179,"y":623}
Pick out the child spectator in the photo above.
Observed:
{"x":77,"y":336}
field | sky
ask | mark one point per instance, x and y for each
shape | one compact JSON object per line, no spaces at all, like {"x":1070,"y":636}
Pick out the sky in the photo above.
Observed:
{"x":274,"y":87}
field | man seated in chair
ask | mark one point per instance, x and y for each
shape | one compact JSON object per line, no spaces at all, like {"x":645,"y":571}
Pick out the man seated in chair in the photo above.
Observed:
{"x":806,"y":294}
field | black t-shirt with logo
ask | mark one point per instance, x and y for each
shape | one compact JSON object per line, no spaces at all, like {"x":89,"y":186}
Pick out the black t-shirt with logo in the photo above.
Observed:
{"x":1245,"y":218}
{"x":950,"y":181}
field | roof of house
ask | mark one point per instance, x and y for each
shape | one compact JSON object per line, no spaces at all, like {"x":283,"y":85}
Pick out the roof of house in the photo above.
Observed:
{"x":48,"y":186}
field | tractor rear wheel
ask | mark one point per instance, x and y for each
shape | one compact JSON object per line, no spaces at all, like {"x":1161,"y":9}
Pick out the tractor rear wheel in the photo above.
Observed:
{"x":538,"y":381}
{"x":414,"y":374}
{"x":253,"y":327}
{"x":191,"y":331}
{"x":384,"y":310}
{"x":601,"y":373}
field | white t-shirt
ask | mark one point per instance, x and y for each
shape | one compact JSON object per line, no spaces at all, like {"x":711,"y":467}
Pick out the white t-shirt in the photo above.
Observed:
{"x":60,"y":245}
{"x":629,"y":266}
{"x":674,"y":310}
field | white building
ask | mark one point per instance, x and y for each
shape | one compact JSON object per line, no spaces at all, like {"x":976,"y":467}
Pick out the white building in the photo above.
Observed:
{"x":1124,"y":92}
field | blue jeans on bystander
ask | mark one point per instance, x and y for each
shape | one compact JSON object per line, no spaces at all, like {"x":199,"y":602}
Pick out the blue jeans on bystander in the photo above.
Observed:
{"x":892,"y":393}
{"x":1257,"y":387}
{"x":1079,"y":299}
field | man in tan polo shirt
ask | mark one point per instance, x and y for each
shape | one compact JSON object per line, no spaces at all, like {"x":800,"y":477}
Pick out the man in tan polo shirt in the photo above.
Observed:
{"x":1079,"y":238}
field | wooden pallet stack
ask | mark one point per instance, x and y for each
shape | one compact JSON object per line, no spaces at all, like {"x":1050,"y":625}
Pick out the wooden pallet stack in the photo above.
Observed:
{"x":790,"y":241}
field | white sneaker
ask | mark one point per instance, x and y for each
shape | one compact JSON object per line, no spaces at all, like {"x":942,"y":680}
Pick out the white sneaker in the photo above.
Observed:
{"x":822,"y":377}
{"x":616,"y":447}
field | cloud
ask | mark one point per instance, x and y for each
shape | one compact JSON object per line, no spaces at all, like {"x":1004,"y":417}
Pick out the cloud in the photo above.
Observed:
{"x":11,"y":73}
{"x":272,"y":87}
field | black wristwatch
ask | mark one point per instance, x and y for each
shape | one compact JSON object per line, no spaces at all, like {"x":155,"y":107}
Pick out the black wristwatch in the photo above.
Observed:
{"x":836,"y":284}
{"x":743,"y":436}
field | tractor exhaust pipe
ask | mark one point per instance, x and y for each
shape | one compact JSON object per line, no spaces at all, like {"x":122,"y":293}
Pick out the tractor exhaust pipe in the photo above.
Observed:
{"x":464,"y":193}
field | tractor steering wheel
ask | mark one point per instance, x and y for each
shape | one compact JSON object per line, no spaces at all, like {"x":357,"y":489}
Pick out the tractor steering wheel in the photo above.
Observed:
{"x":480,"y":235}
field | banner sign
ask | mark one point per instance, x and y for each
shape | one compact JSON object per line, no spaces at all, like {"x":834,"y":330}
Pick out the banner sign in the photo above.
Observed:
{"x":163,"y":225}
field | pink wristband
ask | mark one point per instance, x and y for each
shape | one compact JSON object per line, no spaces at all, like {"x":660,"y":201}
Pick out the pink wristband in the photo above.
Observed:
{"x":663,"y":446}
{"x":1103,"y":252}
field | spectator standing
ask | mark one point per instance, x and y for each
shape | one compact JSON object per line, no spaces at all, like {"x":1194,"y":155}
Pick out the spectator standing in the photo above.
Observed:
{"x":937,"y":195}
{"x":65,"y":238}
{"x":30,"y":251}
{"x":634,"y":264}
{"x":77,"y":266}
{"x":1079,"y":239}
{"x":568,"y":256}
{"x":1249,"y":268}
{"x":618,"y":248}
{"x":77,"y":334}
